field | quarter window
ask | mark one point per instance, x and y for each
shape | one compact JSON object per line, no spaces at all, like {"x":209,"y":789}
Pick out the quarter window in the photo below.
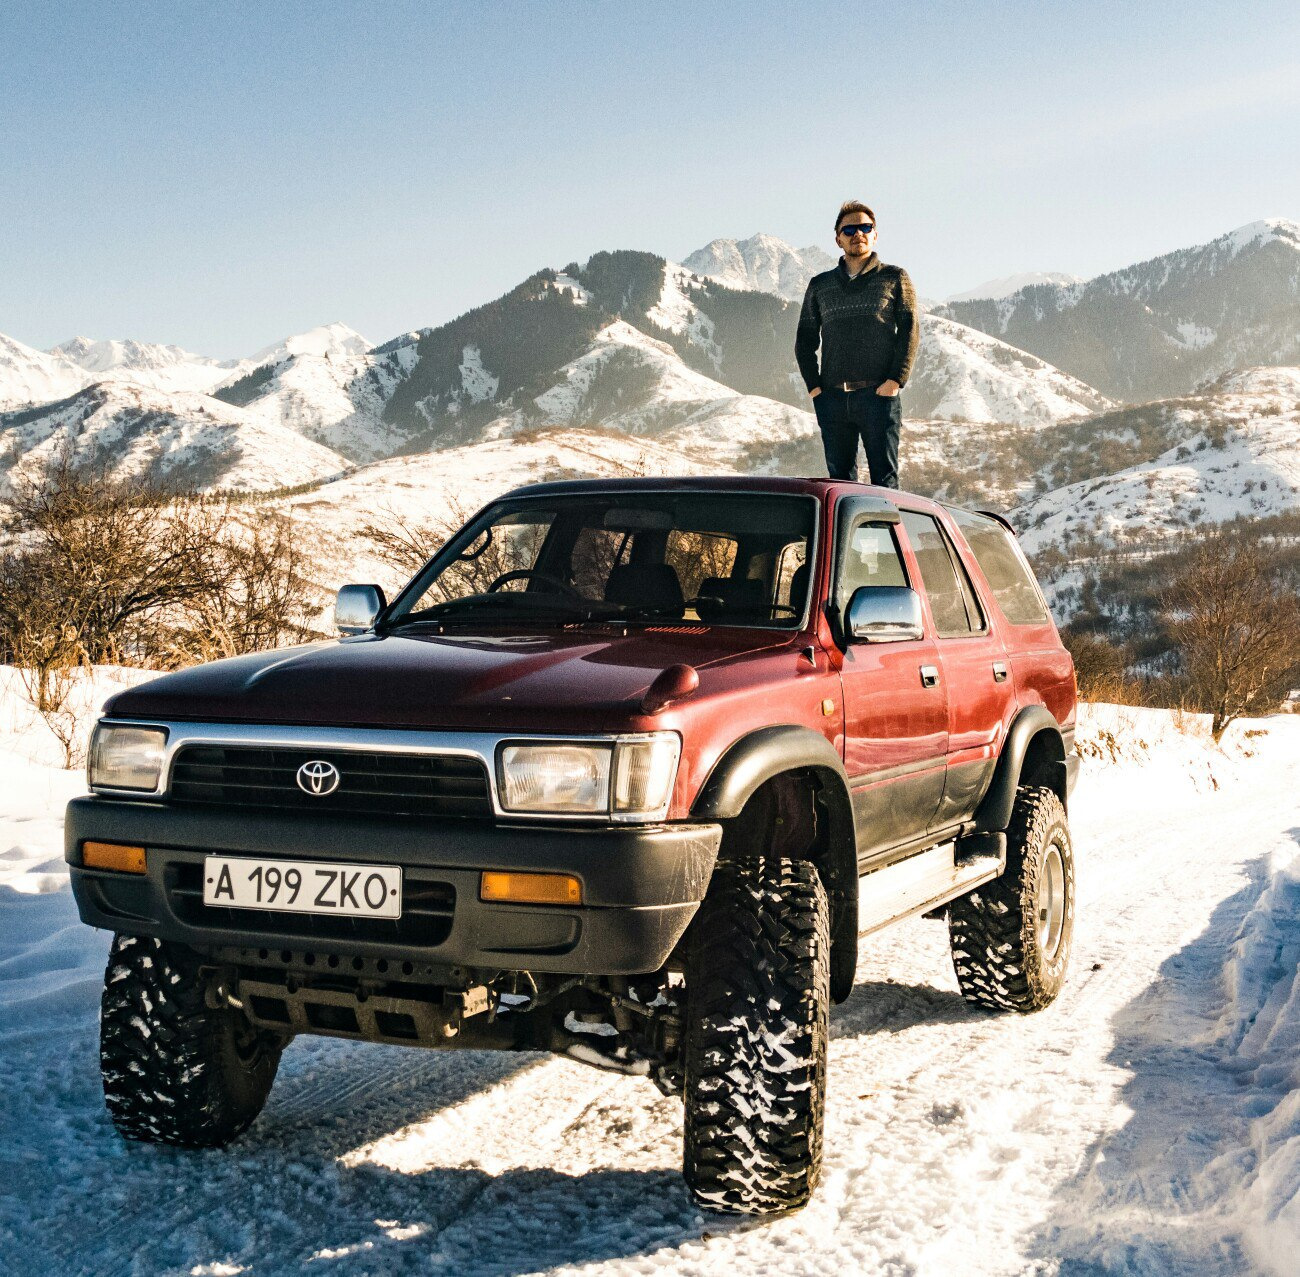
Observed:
{"x":1009,"y":578}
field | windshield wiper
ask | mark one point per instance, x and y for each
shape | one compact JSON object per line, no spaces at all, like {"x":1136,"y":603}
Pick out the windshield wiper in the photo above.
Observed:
{"x":496,"y":608}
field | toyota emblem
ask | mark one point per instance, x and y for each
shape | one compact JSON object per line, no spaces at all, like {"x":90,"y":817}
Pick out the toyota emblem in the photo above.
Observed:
{"x":318,"y":777}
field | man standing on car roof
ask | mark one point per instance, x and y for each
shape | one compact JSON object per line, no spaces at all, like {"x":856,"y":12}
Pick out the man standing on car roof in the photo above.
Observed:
{"x":863,"y":312}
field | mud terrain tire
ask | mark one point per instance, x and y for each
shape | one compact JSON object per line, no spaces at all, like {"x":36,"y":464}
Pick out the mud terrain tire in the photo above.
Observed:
{"x":176,"y":1071}
{"x":1011,"y":938}
{"x":758,"y":994}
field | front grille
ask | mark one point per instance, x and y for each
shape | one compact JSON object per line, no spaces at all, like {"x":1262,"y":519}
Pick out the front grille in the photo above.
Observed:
{"x":371,"y":783}
{"x":428,"y":907}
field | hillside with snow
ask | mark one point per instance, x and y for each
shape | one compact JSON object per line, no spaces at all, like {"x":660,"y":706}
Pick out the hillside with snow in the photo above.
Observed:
{"x":29,"y":376}
{"x":178,"y":438}
{"x":1239,"y":458}
{"x":1165,"y":326}
{"x":322,"y":384}
{"x":1146,"y":1123}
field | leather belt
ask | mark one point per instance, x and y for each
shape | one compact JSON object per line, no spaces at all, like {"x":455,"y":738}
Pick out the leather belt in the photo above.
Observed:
{"x":852,"y":385}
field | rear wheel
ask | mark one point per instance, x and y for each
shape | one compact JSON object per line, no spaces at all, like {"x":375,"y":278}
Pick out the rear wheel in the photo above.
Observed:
{"x":175,"y":1070}
{"x":1011,"y":938}
{"x":758,"y":994}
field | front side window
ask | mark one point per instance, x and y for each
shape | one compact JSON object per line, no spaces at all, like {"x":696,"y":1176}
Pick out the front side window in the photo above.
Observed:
{"x":639,"y":557}
{"x":871,"y":557}
{"x":1005,"y":570}
{"x":952,"y":599}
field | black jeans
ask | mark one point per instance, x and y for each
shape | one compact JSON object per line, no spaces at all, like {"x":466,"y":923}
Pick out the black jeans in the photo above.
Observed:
{"x":845,"y":416}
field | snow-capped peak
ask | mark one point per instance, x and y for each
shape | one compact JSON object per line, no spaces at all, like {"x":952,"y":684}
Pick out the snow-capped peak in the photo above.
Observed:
{"x":329,"y":341}
{"x":30,"y":376}
{"x":1265,"y":231}
{"x":103,"y":356}
{"x":762,"y":263}
{"x":993,"y":289}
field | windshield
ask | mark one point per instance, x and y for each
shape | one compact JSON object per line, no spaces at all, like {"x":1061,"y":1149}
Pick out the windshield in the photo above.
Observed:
{"x":634,"y":557}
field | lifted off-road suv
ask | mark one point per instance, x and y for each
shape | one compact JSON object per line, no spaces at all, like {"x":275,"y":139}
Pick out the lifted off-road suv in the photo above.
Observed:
{"x":624,"y":773}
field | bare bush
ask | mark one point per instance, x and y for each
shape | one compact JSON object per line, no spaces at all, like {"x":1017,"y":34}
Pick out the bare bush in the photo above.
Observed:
{"x":256,"y":598}
{"x":1234,"y":616}
{"x":101,"y":571}
{"x":1101,"y":670}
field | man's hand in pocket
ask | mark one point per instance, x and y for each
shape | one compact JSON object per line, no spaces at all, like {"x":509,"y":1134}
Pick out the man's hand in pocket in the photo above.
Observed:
{"x":888,"y":389}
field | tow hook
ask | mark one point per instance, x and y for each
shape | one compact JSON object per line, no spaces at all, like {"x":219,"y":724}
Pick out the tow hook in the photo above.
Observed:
{"x":459,"y":1005}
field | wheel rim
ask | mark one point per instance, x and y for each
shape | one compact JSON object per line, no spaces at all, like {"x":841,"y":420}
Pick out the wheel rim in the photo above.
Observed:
{"x":1051,"y":903}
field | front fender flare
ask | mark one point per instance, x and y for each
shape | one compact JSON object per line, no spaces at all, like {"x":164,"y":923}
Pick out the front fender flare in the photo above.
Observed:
{"x":766,"y":754}
{"x":758,"y":757}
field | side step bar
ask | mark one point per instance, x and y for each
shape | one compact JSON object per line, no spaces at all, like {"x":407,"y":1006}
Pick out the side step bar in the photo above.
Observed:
{"x":923,"y":882}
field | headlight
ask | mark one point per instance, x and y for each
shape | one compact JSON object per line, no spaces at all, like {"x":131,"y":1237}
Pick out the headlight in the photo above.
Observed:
{"x":629,"y":778}
{"x":124,"y":757}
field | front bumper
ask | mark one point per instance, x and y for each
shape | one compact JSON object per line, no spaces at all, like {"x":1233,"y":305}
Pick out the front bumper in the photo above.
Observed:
{"x":641,"y":886}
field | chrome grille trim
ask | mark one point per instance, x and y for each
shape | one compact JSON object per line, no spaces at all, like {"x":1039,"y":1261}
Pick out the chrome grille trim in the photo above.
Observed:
{"x":482,"y":746}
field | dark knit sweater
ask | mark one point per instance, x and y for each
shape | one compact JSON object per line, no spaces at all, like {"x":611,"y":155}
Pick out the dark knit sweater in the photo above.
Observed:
{"x":867,"y":326}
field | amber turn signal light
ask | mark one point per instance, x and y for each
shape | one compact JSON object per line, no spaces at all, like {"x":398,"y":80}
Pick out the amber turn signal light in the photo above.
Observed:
{"x":531,"y":889}
{"x":112,"y":855}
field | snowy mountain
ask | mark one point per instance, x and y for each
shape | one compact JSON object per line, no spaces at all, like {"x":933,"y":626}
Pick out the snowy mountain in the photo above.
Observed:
{"x":962,"y":374}
{"x":1008,"y":284}
{"x":142,"y":363}
{"x":324,"y":385}
{"x":180,"y":437}
{"x":1165,"y":326}
{"x":30,"y":376}
{"x":334,"y":341}
{"x":1238,"y":458}
{"x":762,"y":263}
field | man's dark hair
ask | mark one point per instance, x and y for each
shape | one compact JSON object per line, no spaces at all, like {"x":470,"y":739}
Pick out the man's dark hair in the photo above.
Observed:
{"x":852,"y":206}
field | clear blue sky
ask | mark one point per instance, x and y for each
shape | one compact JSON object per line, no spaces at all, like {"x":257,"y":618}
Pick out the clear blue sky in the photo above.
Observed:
{"x":223,"y":174}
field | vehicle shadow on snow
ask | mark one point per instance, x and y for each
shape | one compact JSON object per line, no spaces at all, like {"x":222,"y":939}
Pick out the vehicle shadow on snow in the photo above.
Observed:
{"x":1127,"y":1210}
{"x":889,"y":1006}
{"x":287,"y":1196}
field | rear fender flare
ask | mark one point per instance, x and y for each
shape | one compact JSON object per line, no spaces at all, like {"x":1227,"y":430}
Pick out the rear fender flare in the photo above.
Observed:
{"x":1034,"y":740}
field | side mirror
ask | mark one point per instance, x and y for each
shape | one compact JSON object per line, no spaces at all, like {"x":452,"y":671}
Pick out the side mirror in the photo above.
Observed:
{"x":885,"y":614}
{"x":356,"y":607}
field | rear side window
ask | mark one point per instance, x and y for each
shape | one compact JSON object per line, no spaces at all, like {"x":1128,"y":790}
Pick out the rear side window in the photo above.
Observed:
{"x":952,"y":600}
{"x":1008,"y":577}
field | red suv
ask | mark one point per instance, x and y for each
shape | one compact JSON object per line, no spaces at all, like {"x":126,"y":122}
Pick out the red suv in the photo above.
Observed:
{"x":624,"y":773}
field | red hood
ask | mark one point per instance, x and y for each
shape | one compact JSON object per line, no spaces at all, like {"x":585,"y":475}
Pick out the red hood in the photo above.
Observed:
{"x":577,"y":680}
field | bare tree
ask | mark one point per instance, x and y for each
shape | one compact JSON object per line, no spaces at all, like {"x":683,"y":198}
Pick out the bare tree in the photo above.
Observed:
{"x":1234,"y":615}
{"x":102,"y":556}
{"x":256,"y":596}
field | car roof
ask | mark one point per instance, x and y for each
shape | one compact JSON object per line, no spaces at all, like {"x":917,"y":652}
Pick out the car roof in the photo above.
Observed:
{"x":817,"y":487}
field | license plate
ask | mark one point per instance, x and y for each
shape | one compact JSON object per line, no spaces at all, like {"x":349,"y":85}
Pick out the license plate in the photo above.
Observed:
{"x":303,"y":886}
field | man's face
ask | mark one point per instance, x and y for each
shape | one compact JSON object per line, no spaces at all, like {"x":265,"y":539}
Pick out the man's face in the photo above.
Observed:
{"x":855,"y":245}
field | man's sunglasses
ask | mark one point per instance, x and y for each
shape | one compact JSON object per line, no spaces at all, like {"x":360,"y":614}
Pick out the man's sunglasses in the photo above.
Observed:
{"x":862,"y":228}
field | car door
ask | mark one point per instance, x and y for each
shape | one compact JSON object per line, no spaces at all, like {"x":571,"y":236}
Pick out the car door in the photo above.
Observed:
{"x":972,"y":665}
{"x":895,"y":712}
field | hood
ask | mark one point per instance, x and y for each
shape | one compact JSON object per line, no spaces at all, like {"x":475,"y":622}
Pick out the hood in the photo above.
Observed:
{"x":580,"y":680}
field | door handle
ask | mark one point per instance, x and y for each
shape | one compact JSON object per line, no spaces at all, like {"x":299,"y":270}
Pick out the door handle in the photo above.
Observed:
{"x":999,"y":672}
{"x":929,"y":676}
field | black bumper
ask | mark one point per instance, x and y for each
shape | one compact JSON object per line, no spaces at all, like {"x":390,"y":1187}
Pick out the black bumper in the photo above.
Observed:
{"x":640,"y":886}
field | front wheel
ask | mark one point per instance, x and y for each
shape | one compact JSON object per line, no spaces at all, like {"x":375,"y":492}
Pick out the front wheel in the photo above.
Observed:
{"x":175,"y":1070}
{"x":1011,"y":938}
{"x":757,"y":1024}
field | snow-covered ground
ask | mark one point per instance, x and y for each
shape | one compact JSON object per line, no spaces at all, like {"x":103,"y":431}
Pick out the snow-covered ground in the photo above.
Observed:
{"x":1148,"y":1122}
